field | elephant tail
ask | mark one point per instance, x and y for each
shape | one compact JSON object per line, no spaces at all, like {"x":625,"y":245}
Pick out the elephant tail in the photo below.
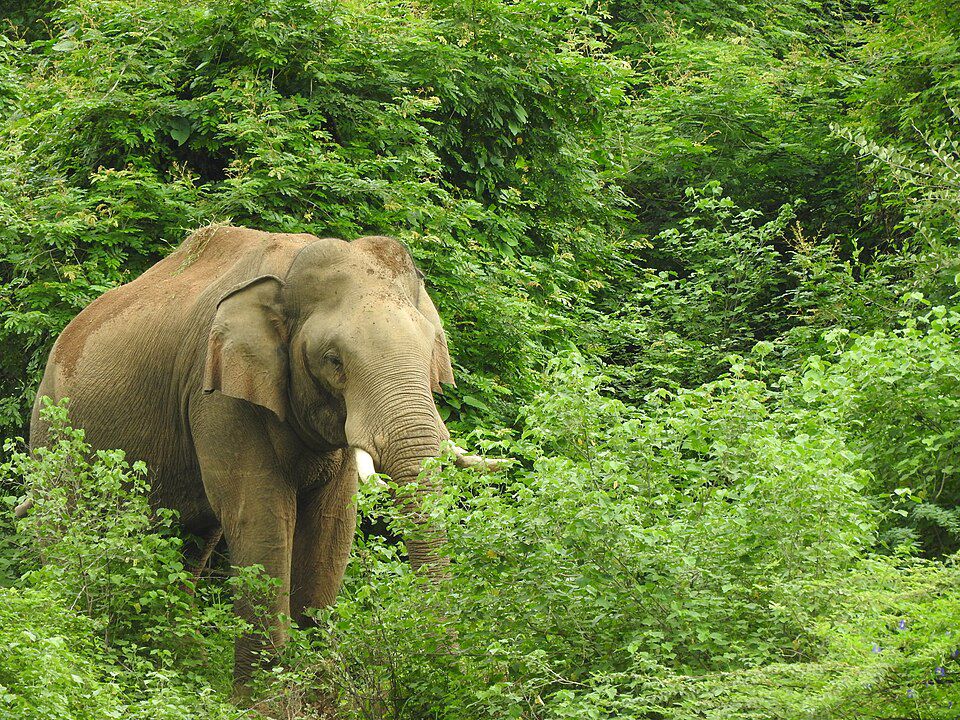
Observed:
{"x":213,"y":539}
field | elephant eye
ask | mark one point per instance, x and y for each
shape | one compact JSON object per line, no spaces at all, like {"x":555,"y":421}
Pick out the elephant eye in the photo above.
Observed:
{"x":332,"y":358}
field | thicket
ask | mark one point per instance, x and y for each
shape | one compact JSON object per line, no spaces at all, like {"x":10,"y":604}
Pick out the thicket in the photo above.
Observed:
{"x":698,"y":266}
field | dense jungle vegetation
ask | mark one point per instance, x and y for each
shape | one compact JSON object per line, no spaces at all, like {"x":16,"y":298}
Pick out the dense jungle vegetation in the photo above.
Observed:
{"x":698,"y":262}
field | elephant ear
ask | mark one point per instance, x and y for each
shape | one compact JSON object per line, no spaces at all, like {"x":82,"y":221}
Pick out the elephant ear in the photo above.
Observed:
{"x":247,"y":346}
{"x":440,"y":369}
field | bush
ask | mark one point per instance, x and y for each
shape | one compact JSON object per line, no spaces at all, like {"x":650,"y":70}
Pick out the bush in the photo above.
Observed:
{"x":703,"y":536}
{"x":50,"y":667}
{"x":54,"y":667}
{"x":93,"y":550}
{"x":715,"y":287}
{"x":894,"y":394}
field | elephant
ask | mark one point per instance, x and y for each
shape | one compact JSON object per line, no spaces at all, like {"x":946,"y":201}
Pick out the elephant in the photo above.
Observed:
{"x":260,"y":376}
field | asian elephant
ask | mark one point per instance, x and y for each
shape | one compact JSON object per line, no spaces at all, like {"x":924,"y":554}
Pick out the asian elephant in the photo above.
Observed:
{"x":257,"y":374}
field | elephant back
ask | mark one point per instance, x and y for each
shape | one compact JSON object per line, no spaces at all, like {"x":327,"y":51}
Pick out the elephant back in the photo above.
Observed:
{"x":225,"y":254}
{"x":166,"y":300}
{"x":137,"y":351}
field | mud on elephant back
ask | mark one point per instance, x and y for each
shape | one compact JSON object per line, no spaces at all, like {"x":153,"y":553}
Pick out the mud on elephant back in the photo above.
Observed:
{"x":259,"y":375}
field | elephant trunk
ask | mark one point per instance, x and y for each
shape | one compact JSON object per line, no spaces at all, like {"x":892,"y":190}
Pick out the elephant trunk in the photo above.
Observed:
{"x":407,"y":433}
{"x":403,"y":461}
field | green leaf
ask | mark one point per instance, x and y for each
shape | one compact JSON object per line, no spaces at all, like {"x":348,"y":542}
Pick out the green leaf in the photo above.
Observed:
{"x":66,"y":45}
{"x":180,"y":130}
{"x":474,"y":402}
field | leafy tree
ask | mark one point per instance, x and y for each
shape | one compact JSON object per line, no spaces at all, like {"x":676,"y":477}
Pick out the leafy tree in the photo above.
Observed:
{"x":470,"y":137}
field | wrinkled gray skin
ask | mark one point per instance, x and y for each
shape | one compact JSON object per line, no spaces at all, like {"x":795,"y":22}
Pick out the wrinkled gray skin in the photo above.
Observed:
{"x":245,"y":369}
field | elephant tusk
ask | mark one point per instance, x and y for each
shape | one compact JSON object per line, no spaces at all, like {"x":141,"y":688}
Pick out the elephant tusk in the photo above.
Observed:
{"x":364,"y":464}
{"x":365,"y":468}
{"x":481,"y":463}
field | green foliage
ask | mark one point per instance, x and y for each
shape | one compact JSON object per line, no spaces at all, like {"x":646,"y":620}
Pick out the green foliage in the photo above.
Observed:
{"x":708,"y":555}
{"x":49,"y":665}
{"x":111,"y":571}
{"x":894,"y":648}
{"x":896,"y":396}
{"x":776,"y":29}
{"x":686,"y":540}
{"x":716,"y":102}
{"x":92,"y":537}
{"x":749,"y":122}
{"x":901,"y":126}
{"x":697,"y":262}
{"x":922,"y":189}
{"x":54,"y":667}
{"x":909,"y":58}
{"x":717,"y":290}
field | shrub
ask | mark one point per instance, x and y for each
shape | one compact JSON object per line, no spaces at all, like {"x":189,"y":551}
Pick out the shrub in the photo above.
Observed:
{"x":50,"y":666}
{"x":54,"y":668}
{"x":93,"y":546}
{"x":895,"y":395}
{"x":702,"y":536}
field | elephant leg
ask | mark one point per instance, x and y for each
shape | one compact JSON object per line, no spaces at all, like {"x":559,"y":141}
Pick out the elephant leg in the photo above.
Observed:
{"x":326,"y":524}
{"x":256,"y":506}
{"x":259,"y":529}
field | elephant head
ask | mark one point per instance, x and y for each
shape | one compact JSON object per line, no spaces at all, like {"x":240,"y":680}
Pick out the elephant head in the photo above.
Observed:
{"x":346,"y":349}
